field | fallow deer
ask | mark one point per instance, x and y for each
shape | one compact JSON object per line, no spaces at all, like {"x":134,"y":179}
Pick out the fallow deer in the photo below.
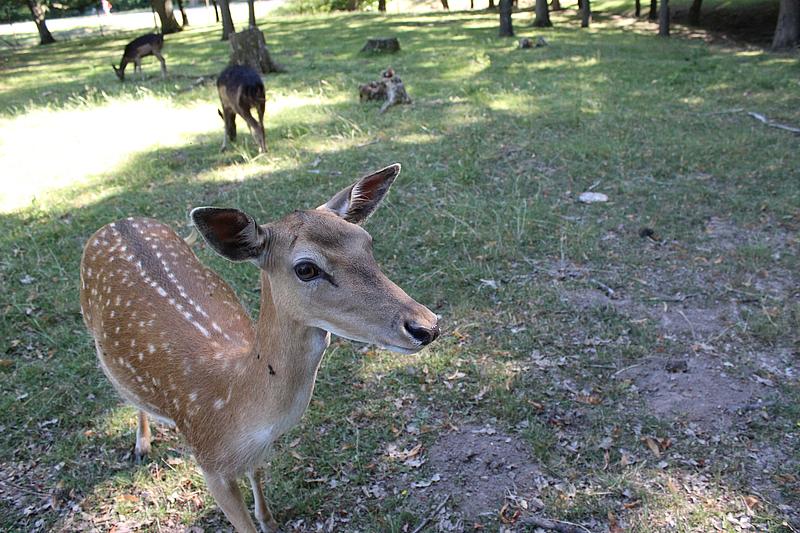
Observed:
{"x":146,"y":45}
{"x":240,"y":88}
{"x":175,"y":341}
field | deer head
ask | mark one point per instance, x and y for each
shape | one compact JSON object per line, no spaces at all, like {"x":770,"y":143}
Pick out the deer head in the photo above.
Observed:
{"x":120,"y":72}
{"x":320,"y":267}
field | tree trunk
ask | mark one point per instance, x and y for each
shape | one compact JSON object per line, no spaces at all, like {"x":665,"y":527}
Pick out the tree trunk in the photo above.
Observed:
{"x":506,"y":27}
{"x":227,"y":20}
{"x":542,"y":19}
{"x":251,"y":13}
{"x":555,"y":5}
{"x":184,"y":18}
{"x":653,"y":15}
{"x":382,"y":5}
{"x":446,"y":5}
{"x":165,"y":12}
{"x":216,"y":10}
{"x":491,"y":4}
{"x":351,"y":5}
{"x":787,"y":31}
{"x":586,"y":14}
{"x":638,"y":11}
{"x":663,"y":19}
{"x":38,"y":12}
{"x":694,"y":12}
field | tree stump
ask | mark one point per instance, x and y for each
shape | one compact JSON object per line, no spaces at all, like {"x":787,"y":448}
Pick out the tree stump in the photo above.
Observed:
{"x":389,"y":88}
{"x":248,"y":47}
{"x":388,"y":44}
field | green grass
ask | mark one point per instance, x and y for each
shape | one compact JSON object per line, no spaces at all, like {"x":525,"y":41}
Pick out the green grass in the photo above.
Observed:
{"x":495,"y":150}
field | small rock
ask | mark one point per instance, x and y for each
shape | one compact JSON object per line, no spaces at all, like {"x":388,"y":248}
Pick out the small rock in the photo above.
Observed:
{"x":592,"y":197}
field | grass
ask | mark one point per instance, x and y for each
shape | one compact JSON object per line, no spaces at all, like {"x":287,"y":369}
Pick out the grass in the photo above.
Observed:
{"x":483,"y":226}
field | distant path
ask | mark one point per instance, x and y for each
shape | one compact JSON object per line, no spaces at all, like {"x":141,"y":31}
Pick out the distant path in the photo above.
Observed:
{"x":24,"y":33}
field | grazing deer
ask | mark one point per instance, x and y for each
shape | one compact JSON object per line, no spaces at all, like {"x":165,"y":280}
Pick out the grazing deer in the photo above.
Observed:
{"x":175,"y":341}
{"x":146,"y":45}
{"x":240,"y":88}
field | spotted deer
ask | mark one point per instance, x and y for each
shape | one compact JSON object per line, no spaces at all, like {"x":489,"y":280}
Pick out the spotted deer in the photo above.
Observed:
{"x":240,"y":89}
{"x":174,"y":340}
{"x":143,"y":46}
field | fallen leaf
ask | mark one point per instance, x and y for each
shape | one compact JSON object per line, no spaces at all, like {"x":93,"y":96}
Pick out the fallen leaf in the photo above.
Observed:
{"x":589,"y":399}
{"x":427,"y":483}
{"x":653,"y":445}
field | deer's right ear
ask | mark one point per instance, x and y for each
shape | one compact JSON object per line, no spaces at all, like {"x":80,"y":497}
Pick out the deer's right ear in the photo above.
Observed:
{"x":233,"y":234}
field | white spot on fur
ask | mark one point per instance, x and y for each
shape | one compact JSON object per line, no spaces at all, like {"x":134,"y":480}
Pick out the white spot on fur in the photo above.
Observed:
{"x":219,"y":403}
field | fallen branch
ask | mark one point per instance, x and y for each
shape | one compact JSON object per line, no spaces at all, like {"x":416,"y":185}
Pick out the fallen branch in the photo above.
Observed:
{"x":553,"y":525}
{"x":430,"y":516}
{"x":771,"y":124}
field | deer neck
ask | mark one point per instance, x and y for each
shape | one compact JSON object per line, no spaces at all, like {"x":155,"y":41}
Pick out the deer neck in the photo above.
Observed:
{"x":286,"y":354}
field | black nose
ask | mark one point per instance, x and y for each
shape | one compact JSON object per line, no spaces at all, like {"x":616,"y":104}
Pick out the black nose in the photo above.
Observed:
{"x":422,"y":334}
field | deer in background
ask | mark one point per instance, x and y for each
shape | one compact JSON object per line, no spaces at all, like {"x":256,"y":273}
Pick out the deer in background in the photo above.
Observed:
{"x":240,"y":89}
{"x":174,"y":340}
{"x":146,"y":45}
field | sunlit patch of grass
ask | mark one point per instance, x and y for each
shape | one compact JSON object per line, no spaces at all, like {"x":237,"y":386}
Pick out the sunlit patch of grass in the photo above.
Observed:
{"x":47,"y":150}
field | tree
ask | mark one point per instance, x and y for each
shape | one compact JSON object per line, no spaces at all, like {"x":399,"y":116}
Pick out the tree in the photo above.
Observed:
{"x":506,"y":27}
{"x":787,"y":31}
{"x":491,"y":4}
{"x":227,"y":19}
{"x":38,"y":11}
{"x":184,"y":18}
{"x":165,"y":12}
{"x":382,"y":5}
{"x":663,"y":19}
{"x":251,"y":13}
{"x":445,"y":5}
{"x":586,"y":14}
{"x":638,"y":10}
{"x":653,"y":15}
{"x":555,"y":5}
{"x":542,"y":19}
{"x":694,"y":12}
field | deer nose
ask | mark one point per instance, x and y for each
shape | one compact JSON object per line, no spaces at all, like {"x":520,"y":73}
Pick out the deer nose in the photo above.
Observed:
{"x":422,"y":334}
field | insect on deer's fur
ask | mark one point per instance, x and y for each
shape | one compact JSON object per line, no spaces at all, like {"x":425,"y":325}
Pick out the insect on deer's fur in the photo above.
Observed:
{"x":240,"y":89}
{"x":175,"y":341}
{"x":143,"y":46}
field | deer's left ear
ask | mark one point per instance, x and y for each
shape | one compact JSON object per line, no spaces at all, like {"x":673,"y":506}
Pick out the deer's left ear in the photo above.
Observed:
{"x":233,"y":234}
{"x":358,"y":201}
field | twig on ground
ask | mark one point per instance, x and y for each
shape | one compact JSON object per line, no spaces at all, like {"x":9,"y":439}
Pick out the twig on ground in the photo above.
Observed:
{"x":691,"y":326}
{"x":725,"y":111}
{"x":771,"y":124}
{"x":608,"y":290}
{"x":430,"y":516}
{"x":554,"y":525}
{"x":677,"y":298}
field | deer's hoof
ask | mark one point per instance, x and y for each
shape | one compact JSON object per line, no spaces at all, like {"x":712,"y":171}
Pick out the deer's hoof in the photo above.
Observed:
{"x":270,"y":526}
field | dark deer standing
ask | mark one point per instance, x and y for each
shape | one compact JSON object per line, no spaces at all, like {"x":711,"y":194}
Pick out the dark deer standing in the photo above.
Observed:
{"x":240,"y":89}
{"x":146,"y":45}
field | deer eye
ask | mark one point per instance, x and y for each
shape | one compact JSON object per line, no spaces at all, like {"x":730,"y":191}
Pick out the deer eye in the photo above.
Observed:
{"x":306,"y":271}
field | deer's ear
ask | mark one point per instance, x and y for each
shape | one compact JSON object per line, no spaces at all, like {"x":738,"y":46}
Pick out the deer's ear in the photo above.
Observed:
{"x":233,"y":234}
{"x":358,"y":201}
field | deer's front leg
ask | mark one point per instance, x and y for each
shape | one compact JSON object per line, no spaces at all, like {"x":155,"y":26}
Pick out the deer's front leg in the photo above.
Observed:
{"x":263,"y":514}
{"x":229,"y":498}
